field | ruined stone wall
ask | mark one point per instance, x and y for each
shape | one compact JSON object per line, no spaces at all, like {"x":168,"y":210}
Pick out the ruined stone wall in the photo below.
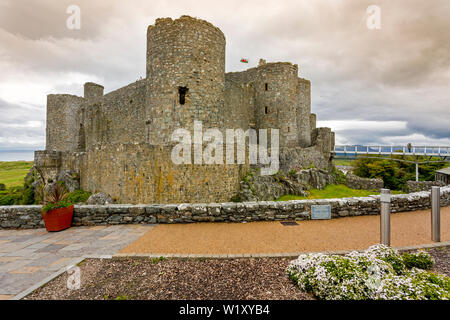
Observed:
{"x":141,"y":173}
{"x":239,"y":109}
{"x":356,"y":182}
{"x":93,"y":91}
{"x":63,"y":122}
{"x":312,"y":122}
{"x":324,"y":140}
{"x":303,"y":113}
{"x":416,"y":186}
{"x":184,"y":54}
{"x":117,"y":117}
{"x":48,"y":163}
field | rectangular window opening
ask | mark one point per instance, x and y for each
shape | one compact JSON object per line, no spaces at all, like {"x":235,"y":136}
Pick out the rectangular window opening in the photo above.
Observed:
{"x":267,"y":87}
{"x":182,"y":91}
{"x":266,"y":110}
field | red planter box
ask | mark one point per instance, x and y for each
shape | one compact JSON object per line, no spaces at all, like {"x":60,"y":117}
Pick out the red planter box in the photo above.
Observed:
{"x":58,"y":219}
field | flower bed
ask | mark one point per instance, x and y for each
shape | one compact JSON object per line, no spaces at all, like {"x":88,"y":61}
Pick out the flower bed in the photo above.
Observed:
{"x":379,"y":272}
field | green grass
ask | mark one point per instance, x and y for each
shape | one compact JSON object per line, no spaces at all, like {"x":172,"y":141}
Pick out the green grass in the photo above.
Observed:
{"x":343,"y":162}
{"x":12,"y":173}
{"x":332,"y":191}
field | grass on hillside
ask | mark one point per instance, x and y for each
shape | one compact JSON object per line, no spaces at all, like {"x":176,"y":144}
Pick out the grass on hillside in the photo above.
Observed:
{"x":12,"y":173}
{"x":343,"y":162}
{"x":332,"y":191}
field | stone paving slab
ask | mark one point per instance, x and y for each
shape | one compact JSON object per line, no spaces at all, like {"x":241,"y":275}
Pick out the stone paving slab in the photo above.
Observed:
{"x":28,"y":257}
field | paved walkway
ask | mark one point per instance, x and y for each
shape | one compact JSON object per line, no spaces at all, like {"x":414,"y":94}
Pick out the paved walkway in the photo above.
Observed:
{"x":29,"y":256}
{"x":350,"y":233}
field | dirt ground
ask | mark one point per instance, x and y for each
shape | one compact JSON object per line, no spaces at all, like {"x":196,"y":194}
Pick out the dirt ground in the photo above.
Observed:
{"x":177,"y":279}
{"x":191,"y":279}
{"x":350,"y":233}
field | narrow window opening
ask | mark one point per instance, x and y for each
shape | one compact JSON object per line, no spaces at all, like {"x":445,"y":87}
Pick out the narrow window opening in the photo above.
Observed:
{"x":289,"y":129}
{"x":266,"y":110}
{"x":267,"y":87}
{"x":182,"y":91}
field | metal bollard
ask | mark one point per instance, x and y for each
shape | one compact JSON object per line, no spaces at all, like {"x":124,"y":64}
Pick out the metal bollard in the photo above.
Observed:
{"x":385,"y":219}
{"x":435,"y":214}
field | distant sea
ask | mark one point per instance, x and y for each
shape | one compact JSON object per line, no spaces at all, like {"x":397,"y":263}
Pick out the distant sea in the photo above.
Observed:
{"x":16,"y":155}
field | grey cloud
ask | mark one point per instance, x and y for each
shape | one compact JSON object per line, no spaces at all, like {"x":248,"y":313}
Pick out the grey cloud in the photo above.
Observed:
{"x":401,"y":72}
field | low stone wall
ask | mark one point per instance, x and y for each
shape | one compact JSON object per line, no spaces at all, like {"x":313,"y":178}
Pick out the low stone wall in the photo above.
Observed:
{"x":356,"y":182}
{"x":86,"y":215}
{"x":417,"y":186}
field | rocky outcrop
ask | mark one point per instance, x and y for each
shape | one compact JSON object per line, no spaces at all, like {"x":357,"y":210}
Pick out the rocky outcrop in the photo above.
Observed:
{"x":100,"y":199}
{"x":255,"y":187}
{"x":70,"y":180}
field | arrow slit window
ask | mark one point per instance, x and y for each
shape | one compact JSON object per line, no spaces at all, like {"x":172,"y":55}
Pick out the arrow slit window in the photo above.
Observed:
{"x":182,"y":91}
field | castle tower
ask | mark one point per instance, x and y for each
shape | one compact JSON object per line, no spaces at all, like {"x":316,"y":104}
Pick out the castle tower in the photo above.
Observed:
{"x":63,"y":122}
{"x":186,"y":77}
{"x":277,"y":103}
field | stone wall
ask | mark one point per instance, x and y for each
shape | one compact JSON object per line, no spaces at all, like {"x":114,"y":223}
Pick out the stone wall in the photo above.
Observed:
{"x":30,"y":216}
{"x":116,"y":117}
{"x":356,"y":182}
{"x":141,"y":173}
{"x":416,"y":186}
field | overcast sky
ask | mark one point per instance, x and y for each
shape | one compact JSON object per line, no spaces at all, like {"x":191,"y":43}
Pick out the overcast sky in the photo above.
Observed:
{"x":386,"y":86}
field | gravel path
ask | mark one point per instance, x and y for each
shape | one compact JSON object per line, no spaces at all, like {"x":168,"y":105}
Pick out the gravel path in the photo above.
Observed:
{"x":350,"y":233}
{"x":222,"y":279}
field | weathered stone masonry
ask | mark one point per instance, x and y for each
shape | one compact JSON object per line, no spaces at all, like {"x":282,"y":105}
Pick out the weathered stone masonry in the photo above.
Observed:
{"x":86,"y":215}
{"x":120,"y":142}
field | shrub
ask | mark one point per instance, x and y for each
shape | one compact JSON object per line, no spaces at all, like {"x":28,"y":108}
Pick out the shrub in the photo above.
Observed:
{"x":395,"y":174}
{"x":340,"y":176}
{"x":27,"y":196}
{"x":56,"y":198}
{"x":421,"y":260}
{"x":6,"y":200}
{"x":377,"y":273}
{"x":78,"y":196}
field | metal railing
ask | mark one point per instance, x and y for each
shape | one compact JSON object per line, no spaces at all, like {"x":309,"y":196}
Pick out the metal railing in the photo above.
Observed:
{"x":431,"y":151}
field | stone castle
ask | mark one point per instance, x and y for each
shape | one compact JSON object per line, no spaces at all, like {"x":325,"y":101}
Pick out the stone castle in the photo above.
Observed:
{"x":120,"y":143}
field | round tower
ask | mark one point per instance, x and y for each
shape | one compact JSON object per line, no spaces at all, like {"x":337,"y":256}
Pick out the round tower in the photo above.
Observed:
{"x":186,"y":76}
{"x":277,"y":105}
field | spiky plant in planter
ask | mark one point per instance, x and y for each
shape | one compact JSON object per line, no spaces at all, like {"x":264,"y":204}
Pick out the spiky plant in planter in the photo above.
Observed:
{"x":57,"y":211}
